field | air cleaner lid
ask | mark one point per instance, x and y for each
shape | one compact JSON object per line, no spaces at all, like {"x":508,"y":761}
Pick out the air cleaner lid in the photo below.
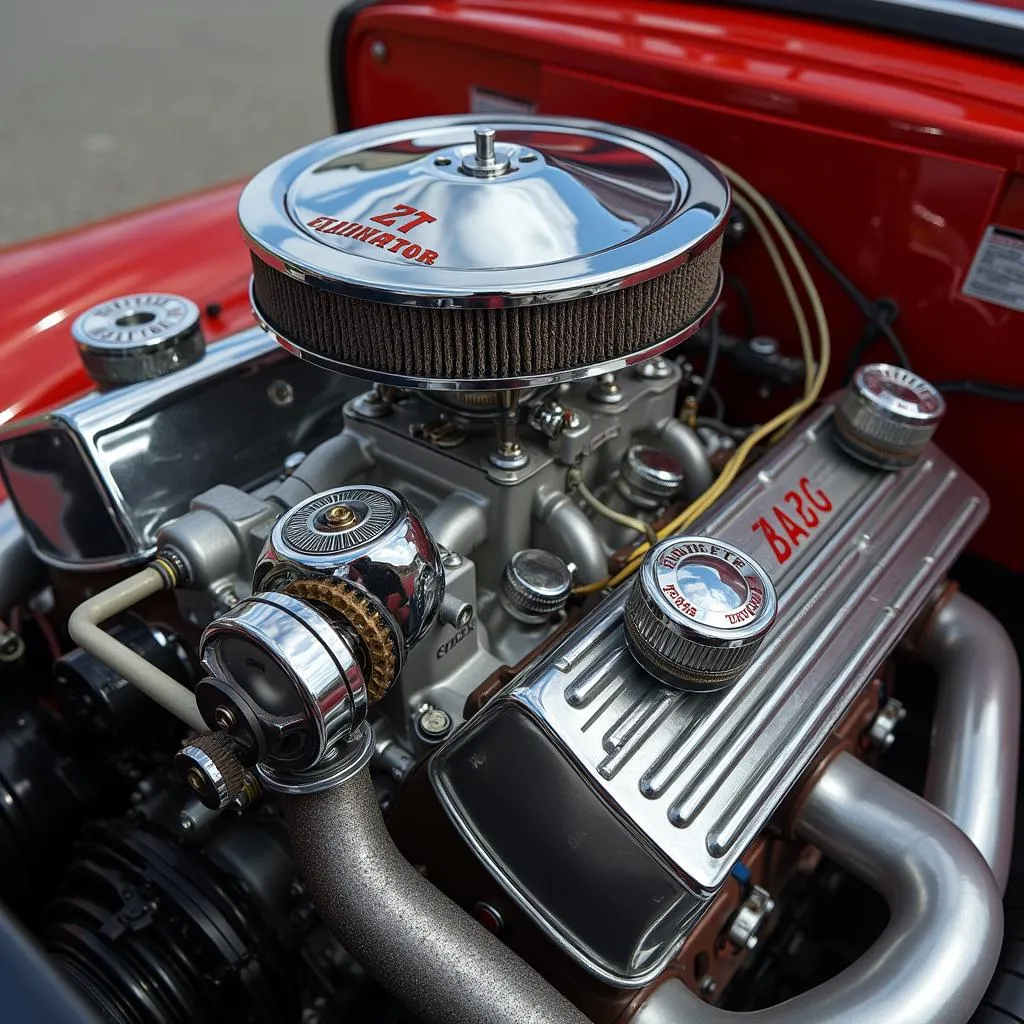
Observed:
{"x":440,"y":216}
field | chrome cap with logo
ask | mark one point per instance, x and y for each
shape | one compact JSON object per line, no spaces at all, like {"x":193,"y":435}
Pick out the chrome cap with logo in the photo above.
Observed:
{"x":698,"y":611}
{"x":138,"y":337}
{"x":456,"y":253}
{"x":887,"y":416}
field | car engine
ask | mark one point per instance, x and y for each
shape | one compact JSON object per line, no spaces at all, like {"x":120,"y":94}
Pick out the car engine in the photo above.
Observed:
{"x":459,"y":669}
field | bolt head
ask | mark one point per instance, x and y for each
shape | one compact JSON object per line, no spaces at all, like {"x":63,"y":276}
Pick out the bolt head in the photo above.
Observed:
{"x":434,"y":723}
{"x":225,"y":718}
{"x":379,"y":51}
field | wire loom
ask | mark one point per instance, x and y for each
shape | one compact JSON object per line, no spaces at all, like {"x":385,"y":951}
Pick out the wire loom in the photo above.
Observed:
{"x":496,"y":343}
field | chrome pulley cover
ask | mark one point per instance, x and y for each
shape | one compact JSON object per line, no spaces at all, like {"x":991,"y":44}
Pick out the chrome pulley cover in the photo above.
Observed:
{"x":454,"y":253}
{"x":362,"y":539}
{"x":348,"y":582}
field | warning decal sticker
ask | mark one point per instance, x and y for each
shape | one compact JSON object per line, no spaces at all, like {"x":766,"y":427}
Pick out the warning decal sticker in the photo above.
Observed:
{"x":997,"y":273}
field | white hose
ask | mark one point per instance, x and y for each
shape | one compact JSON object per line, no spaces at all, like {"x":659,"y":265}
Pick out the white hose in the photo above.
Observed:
{"x":85,"y":631}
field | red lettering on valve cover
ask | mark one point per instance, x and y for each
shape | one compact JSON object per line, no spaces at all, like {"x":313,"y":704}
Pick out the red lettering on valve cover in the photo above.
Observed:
{"x":786,"y":530}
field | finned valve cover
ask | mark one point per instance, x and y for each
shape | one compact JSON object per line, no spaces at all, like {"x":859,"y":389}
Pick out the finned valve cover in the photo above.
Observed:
{"x":449,"y":252}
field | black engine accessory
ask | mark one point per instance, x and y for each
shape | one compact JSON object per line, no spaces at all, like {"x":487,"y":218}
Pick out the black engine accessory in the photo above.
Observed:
{"x":153,"y":933}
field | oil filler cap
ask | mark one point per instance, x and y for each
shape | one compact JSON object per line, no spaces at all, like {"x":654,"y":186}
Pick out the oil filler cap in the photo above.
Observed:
{"x":698,"y":611}
{"x":138,"y":337}
{"x":887,"y":416}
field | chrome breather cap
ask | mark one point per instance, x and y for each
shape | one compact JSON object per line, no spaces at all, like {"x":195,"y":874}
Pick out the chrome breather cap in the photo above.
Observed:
{"x":290,"y":670}
{"x":887,"y":416}
{"x":697,"y":612}
{"x":460,"y":253}
{"x":347,"y":583}
{"x":535,"y":585}
{"x":138,"y":337}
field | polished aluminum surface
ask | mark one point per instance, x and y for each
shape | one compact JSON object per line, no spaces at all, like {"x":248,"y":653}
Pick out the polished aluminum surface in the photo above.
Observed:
{"x":104,"y":472}
{"x":888,"y":415}
{"x":519,"y":382}
{"x":972,"y":771}
{"x":698,"y":610}
{"x":698,"y":775}
{"x":139,"y":337}
{"x":940,"y":947}
{"x":307,"y":655}
{"x":590,"y":208}
{"x":394,"y":560}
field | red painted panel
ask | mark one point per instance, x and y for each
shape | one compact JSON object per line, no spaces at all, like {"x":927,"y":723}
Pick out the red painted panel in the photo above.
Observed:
{"x":192,"y":246}
{"x":894,"y":154}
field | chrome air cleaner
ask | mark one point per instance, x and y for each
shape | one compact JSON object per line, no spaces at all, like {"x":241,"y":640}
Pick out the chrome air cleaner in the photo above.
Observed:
{"x":451,"y":253}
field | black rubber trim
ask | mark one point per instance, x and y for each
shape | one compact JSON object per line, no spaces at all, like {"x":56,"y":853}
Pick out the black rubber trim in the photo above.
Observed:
{"x":337,"y":53}
{"x":33,"y":991}
{"x":953,"y":27}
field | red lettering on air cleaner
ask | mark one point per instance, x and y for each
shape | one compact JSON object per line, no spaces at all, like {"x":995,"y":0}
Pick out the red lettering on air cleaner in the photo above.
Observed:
{"x":416,"y":218}
{"x":782,"y":530}
{"x":403,"y":218}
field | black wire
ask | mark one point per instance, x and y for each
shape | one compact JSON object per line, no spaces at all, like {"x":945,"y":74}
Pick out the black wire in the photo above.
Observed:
{"x":879,"y":314}
{"x":746,"y":305}
{"x":709,"y":366}
{"x":983,"y":389}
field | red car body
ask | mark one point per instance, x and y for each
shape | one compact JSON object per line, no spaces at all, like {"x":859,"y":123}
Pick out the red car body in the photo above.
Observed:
{"x":895,"y":153}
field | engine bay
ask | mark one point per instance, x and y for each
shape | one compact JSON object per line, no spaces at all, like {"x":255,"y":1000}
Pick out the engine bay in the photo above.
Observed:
{"x":455,"y":645}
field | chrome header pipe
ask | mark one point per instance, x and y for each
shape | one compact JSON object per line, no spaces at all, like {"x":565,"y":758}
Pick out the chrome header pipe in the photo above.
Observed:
{"x":939,"y":950}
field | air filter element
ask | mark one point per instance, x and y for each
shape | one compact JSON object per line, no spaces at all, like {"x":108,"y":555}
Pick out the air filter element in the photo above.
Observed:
{"x":448,"y":253}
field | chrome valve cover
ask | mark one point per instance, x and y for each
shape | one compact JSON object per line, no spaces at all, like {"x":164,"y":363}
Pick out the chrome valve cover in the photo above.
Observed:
{"x":640,"y":798}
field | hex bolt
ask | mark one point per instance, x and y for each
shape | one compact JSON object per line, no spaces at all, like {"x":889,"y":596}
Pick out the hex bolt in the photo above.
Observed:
{"x":456,"y":612}
{"x":433,"y":724}
{"x":379,"y":51}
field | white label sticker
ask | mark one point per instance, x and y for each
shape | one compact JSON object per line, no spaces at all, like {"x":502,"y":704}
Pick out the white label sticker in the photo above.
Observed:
{"x":997,"y":273}
{"x":483,"y":101}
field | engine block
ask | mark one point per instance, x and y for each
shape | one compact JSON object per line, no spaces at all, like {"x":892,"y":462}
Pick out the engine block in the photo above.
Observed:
{"x":621,"y":764}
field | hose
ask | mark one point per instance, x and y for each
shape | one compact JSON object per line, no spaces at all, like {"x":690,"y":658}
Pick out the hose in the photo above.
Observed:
{"x":429,"y":953}
{"x":575,"y":479}
{"x":84,"y":629}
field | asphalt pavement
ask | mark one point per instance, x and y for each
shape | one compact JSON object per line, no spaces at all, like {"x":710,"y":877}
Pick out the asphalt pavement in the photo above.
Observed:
{"x":110,"y":105}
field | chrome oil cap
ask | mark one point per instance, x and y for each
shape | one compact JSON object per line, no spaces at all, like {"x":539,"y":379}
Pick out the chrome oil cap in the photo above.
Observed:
{"x":697,"y":612}
{"x":513,"y":218}
{"x":138,"y":337}
{"x":887,"y":416}
{"x":535,"y":585}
